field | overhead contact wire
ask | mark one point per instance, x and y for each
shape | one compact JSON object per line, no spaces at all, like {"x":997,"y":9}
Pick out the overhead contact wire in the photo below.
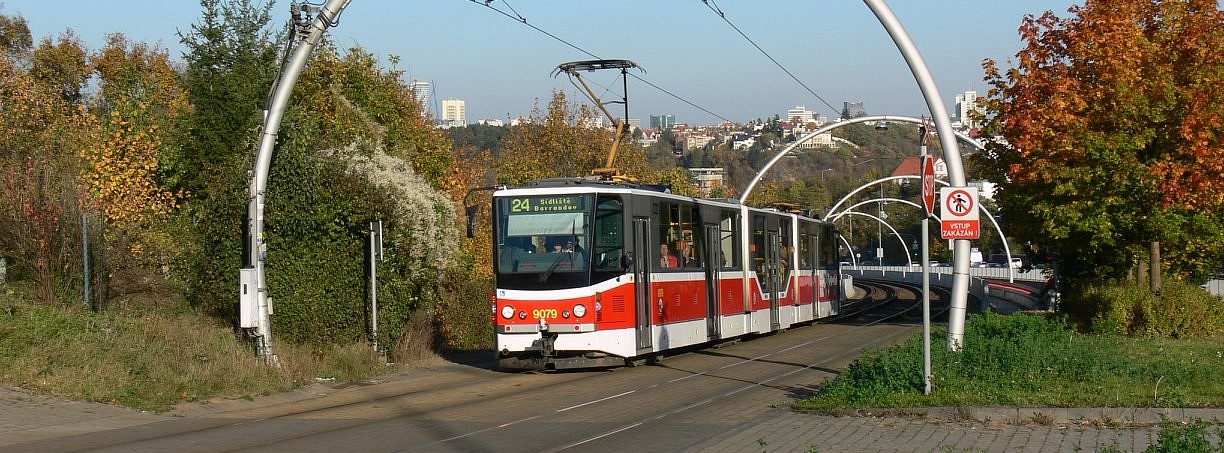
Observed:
{"x":714,"y":7}
{"x":523,"y":20}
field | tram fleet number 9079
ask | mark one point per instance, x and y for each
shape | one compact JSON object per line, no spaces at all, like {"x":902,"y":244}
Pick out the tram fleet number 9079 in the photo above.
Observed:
{"x":594,"y":274}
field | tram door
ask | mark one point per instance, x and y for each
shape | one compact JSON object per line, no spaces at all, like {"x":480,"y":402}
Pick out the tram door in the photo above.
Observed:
{"x":773,"y":274}
{"x":813,"y":251}
{"x":641,"y":279}
{"x":713,"y":265}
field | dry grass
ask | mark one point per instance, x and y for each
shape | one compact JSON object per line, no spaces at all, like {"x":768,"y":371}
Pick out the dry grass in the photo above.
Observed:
{"x":154,"y":361}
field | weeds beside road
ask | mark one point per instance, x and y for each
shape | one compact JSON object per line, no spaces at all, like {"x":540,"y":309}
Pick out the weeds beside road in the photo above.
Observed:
{"x":154,"y":361}
{"x":1032,"y":360}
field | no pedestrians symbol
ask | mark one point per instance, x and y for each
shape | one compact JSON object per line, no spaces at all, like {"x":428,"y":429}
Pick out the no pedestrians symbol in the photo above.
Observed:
{"x":960,"y":218}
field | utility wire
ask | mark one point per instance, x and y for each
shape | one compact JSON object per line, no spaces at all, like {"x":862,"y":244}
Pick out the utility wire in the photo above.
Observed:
{"x":686,"y":101}
{"x":523,"y":20}
{"x":714,"y":7}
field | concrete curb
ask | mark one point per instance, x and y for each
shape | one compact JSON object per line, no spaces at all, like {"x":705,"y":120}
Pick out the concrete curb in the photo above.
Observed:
{"x":1095,"y":416}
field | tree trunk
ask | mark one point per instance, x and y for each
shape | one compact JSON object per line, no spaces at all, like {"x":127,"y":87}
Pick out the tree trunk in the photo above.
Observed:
{"x":1142,"y":277}
{"x":1156,"y":267}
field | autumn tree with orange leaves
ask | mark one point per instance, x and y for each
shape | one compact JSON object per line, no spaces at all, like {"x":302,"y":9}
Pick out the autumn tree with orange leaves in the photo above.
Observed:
{"x":1110,"y":136}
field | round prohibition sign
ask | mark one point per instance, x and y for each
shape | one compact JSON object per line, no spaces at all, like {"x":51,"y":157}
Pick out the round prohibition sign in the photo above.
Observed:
{"x":959,"y":203}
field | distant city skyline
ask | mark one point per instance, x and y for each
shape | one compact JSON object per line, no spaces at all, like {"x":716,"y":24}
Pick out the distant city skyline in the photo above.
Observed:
{"x":502,"y":68}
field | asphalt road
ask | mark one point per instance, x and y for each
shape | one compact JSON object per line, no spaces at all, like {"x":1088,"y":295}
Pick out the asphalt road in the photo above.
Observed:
{"x":680,"y":402}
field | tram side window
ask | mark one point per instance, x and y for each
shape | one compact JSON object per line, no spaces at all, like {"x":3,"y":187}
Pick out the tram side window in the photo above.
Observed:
{"x":805,"y":246}
{"x":756,"y":249}
{"x":687,"y":249}
{"x":667,"y":218}
{"x":728,"y":226}
{"x":827,"y":243}
{"x":787,"y":258}
{"x":609,"y":237}
{"x":676,"y":237}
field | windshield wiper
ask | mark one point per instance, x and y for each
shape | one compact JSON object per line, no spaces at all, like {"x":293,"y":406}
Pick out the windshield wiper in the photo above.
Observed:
{"x":552,"y":267}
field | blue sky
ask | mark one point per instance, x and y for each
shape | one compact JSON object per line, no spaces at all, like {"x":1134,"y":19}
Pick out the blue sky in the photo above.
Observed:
{"x":501,"y":67}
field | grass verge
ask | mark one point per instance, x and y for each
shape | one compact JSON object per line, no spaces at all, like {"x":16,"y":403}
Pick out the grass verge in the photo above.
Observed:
{"x":155,"y":361}
{"x":1030,"y":360}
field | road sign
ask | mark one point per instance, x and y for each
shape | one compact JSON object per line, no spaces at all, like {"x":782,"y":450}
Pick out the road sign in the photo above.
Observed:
{"x":928,"y":184}
{"x":959,"y":218}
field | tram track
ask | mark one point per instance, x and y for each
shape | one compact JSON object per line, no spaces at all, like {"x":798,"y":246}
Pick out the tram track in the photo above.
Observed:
{"x":674,"y":403}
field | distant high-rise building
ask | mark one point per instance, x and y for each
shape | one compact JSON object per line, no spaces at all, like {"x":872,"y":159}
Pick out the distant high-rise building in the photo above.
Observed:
{"x":853,"y":110}
{"x":966,"y":105}
{"x":662,"y":121}
{"x":633,"y":123}
{"x":423,"y":92}
{"x":800,"y":115}
{"x":454,"y":113}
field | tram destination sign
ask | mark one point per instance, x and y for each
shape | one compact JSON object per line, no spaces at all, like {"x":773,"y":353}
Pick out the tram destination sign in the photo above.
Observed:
{"x":548,"y":204}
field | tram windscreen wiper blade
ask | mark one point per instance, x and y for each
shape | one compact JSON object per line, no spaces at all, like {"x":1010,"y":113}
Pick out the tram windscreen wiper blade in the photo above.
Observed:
{"x":552,"y":267}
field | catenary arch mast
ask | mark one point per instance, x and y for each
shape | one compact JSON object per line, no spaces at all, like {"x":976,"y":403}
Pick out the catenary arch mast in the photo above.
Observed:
{"x":254,"y":304}
{"x":952,"y":157}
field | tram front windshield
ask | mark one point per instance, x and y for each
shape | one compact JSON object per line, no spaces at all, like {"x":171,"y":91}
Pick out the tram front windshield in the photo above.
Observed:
{"x":542,"y":242}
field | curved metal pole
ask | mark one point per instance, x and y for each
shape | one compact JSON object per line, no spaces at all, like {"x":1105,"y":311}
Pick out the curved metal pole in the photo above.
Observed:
{"x":873,"y":200}
{"x":853,"y":262}
{"x":894,"y":230}
{"x":864,"y":187}
{"x":958,"y":306}
{"x":257,"y":190}
{"x":862,"y":119}
{"x":876,"y":200}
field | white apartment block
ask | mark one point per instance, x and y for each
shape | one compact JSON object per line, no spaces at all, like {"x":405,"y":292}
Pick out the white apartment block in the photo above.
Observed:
{"x":800,"y":115}
{"x":423,"y":93}
{"x":966,"y":103}
{"x":454,"y":113}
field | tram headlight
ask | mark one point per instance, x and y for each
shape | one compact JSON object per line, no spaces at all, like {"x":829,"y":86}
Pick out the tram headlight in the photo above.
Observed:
{"x":579,"y":310}
{"x":507,"y":311}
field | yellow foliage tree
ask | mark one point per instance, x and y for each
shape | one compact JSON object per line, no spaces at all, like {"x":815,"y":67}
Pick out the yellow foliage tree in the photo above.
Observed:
{"x":140,"y":96}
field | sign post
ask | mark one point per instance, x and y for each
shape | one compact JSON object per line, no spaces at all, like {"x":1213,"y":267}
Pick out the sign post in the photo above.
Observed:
{"x":960,"y":219}
{"x":928,"y":207}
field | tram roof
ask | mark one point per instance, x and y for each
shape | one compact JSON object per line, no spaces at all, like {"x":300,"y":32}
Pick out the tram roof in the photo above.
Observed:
{"x":584,"y":185}
{"x":588,"y":185}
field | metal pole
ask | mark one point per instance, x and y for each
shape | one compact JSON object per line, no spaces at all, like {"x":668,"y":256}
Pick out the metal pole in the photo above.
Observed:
{"x":958,"y":306}
{"x":373,"y":286}
{"x":926,"y":290}
{"x":880,"y":231}
{"x":85,"y":255}
{"x":328,"y":16}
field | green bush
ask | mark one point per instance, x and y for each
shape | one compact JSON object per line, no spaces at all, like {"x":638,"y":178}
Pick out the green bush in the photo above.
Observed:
{"x":1180,"y":311}
{"x":464,"y":311}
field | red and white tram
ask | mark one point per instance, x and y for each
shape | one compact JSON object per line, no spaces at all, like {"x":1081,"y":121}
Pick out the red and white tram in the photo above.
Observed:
{"x":594,"y":273}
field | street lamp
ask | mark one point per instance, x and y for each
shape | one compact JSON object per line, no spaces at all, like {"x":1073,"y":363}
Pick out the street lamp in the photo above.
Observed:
{"x":822,"y":172}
